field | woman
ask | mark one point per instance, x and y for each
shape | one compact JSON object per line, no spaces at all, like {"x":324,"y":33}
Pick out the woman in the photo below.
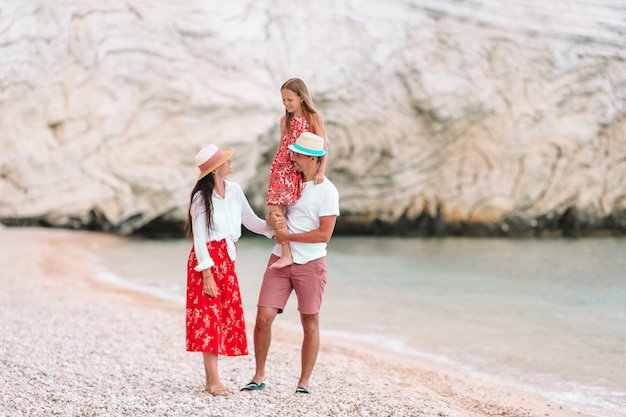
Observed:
{"x":214,"y":318}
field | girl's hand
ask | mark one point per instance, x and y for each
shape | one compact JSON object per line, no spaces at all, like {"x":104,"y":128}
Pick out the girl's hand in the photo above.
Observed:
{"x":210,"y":288}
{"x":318,"y":178}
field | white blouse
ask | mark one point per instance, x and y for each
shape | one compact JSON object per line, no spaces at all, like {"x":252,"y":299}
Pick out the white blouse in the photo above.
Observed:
{"x":228,"y":215}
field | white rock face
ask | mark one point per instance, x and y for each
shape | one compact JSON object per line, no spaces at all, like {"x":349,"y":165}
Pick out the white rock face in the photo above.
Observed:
{"x":441,"y":115}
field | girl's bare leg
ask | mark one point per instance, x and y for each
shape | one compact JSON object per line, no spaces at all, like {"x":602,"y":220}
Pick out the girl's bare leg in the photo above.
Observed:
{"x":285,"y":259}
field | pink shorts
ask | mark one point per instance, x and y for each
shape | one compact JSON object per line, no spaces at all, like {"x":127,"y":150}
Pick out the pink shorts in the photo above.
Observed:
{"x":308,"y":280}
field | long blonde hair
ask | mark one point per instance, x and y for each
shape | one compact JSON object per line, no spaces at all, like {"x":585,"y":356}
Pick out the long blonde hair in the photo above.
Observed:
{"x":297,"y":86}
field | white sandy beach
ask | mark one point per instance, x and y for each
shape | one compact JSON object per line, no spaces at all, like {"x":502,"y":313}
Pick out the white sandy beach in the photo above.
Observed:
{"x":74,"y":346}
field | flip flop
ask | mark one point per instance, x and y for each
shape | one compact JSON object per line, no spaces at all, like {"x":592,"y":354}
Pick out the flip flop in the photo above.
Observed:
{"x":253,"y":386}
{"x":302,"y":390}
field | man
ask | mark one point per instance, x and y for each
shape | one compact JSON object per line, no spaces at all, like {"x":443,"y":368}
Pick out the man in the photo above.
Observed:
{"x":311,"y":222}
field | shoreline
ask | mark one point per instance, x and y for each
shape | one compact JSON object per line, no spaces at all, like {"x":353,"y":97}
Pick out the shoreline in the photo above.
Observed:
{"x":91,"y":347}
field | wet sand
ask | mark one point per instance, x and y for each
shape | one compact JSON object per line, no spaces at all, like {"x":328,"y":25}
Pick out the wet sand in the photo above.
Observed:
{"x":74,"y":346}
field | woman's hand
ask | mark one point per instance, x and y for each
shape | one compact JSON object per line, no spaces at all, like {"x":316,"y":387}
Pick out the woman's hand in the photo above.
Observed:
{"x":276,"y":220}
{"x":210,"y":288}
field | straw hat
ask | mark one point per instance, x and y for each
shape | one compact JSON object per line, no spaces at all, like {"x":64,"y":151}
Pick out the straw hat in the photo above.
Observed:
{"x":211,"y":157}
{"x":309,"y":144}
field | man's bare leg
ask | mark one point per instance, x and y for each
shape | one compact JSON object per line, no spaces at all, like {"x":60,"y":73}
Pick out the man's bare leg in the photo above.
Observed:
{"x":262,"y":338}
{"x":310,"y":347}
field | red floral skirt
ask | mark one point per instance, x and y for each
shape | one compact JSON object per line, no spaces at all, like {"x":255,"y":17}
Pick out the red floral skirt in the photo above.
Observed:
{"x":217,"y":324}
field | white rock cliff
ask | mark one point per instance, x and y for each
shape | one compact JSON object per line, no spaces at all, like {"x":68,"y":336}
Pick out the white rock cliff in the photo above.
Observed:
{"x":447,"y":116}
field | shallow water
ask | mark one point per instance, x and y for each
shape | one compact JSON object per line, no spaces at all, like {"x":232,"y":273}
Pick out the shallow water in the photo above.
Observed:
{"x":546,"y":315}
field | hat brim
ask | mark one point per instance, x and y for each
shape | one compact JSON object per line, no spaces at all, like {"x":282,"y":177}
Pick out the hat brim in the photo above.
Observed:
{"x":294,"y":147}
{"x":225,"y":157}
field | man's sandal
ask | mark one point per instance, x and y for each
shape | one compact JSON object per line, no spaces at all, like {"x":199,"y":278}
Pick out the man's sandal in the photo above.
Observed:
{"x":253,"y":386}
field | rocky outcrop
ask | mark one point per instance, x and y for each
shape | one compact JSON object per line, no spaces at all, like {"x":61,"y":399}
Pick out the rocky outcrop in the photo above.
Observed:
{"x":447,"y":117}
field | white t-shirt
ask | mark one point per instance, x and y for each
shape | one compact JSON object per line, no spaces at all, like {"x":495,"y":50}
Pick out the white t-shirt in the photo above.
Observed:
{"x":304,"y":215}
{"x":228,"y":215}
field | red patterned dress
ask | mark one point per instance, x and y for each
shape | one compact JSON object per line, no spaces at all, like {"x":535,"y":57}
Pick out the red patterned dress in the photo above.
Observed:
{"x":285,"y":183}
{"x":217,"y":324}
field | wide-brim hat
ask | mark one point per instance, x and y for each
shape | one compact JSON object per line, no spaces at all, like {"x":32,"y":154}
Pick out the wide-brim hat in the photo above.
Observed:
{"x":308,"y":144}
{"x":211,"y":157}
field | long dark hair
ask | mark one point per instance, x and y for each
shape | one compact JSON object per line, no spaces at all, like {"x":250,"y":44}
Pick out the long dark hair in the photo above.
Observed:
{"x":205,"y":185}
{"x":297,"y":86}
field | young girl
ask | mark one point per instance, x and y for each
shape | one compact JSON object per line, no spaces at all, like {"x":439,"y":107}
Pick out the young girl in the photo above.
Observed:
{"x":285,"y":184}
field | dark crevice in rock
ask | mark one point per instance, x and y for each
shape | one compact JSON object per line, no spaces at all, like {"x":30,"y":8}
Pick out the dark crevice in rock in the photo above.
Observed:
{"x":571,"y":223}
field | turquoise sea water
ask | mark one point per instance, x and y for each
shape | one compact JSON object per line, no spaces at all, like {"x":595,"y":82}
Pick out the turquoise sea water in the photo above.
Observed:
{"x":541,"y":315}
